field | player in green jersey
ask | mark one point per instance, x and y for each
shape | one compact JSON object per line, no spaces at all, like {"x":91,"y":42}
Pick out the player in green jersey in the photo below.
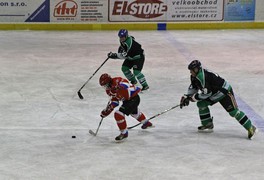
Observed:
{"x":208,"y":88}
{"x":133,"y":54}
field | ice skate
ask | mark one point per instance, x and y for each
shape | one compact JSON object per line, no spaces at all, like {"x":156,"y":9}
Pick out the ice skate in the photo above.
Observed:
{"x":209,"y":127}
{"x":252,"y":132}
{"x":121,"y":137}
{"x":147,"y":125}
{"x":145,"y":88}
{"x":133,"y":82}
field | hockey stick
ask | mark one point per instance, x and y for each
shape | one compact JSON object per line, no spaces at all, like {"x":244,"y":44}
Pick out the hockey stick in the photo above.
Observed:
{"x":79,"y":92}
{"x":95,"y":133}
{"x":155,"y":116}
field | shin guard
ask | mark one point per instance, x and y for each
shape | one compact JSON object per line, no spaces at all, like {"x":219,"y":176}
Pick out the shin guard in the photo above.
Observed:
{"x":140,"y":117}
{"x":120,"y":120}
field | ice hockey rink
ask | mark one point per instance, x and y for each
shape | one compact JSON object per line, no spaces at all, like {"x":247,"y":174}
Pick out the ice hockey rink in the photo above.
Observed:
{"x":41,"y":72}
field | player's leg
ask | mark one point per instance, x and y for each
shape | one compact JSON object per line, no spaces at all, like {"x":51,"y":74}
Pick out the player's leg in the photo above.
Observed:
{"x":126,"y":108}
{"x":205,"y":116}
{"x":122,"y":125}
{"x":131,"y":108}
{"x":137,"y":70}
{"x":140,"y":116}
{"x":142,"y":80}
{"x":230,"y":105}
{"x":126,"y":66}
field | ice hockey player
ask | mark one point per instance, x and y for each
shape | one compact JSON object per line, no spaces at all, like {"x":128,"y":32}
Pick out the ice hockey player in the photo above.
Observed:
{"x":119,"y":89}
{"x":208,"y":88}
{"x":133,"y":54}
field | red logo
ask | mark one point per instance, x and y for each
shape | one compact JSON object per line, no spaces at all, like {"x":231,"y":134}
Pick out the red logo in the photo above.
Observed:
{"x":66,"y":8}
{"x":140,"y":8}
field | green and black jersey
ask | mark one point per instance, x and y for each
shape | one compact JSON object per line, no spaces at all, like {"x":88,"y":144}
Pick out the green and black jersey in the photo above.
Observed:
{"x":130,"y":49}
{"x":208,"y":85}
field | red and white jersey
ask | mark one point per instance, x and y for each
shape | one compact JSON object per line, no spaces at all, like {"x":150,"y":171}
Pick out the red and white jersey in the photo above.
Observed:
{"x":111,"y":91}
{"x":121,"y":90}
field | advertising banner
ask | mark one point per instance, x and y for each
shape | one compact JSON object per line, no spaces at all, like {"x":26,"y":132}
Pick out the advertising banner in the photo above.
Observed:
{"x":79,"y":11}
{"x":92,"y":11}
{"x":25,"y":11}
{"x":240,"y":10}
{"x":165,"y":10}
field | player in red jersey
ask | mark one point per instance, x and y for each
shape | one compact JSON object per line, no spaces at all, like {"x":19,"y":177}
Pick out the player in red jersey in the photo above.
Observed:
{"x":119,"y":89}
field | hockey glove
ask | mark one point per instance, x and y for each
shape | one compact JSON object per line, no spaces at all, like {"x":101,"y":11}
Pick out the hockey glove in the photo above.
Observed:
{"x":107,"y":111}
{"x":112,"y":55}
{"x":185,"y":100}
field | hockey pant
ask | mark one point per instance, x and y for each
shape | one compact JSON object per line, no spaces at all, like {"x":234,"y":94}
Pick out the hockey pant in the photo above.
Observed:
{"x":129,"y":107}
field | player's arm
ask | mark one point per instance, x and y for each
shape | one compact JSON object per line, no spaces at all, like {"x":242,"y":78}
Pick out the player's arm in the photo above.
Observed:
{"x":121,"y":54}
{"x":110,"y":107}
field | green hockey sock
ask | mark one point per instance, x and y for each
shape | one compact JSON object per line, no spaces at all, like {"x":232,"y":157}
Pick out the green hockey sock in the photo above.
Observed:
{"x":141,"y":78}
{"x":205,"y":115}
{"x":128,"y":73}
{"x":243,"y":120}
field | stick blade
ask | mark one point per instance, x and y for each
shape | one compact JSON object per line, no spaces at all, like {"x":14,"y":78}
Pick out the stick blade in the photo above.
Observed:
{"x":80,"y":95}
{"x":92,"y":133}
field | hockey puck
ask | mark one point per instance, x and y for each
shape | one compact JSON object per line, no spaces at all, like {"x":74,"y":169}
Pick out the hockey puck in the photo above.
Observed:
{"x":73,"y":136}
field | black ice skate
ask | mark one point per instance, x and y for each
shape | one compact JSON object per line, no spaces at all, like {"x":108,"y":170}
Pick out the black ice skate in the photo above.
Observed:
{"x":147,"y":125}
{"x":252,"y":132}
{"x":133,"y":82}
{"x":209,"y":127}
{"x":121,"y":137}
{"x":145,"y":88}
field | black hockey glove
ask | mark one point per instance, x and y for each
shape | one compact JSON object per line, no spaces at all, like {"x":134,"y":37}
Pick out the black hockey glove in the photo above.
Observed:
{"x":112,"y":55}
{"x":185,"y":100}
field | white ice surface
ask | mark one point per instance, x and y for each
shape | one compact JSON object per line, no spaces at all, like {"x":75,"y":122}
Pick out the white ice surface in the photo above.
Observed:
{"x":41,"y":72}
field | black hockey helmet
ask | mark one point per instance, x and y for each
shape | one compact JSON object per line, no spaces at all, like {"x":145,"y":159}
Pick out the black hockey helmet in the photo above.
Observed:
{"x":195,"y":64}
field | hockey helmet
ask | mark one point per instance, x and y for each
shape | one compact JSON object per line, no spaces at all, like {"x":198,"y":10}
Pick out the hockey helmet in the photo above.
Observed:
{"x":195,"y":64}
{"x":123,"y":33}
{"x":105,"y":80}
